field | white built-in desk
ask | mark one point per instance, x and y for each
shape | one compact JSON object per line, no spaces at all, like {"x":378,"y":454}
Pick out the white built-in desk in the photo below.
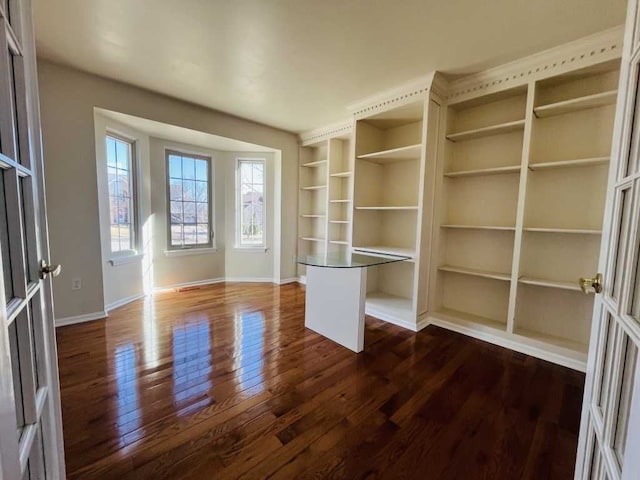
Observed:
{"x":336,"y":294}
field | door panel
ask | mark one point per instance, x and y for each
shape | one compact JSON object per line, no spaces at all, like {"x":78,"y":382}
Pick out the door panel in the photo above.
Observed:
{"x":30,"y":426}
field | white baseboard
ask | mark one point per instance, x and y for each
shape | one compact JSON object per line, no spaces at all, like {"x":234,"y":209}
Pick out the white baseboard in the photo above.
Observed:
{"x":302,"y":279}
{"x":284,"y":281}
{"x":123,"y":301}
{"x":249,"y":279}
{"x":197,"y":283}
{"x":503,"y":341}
{"x":87,"y":317}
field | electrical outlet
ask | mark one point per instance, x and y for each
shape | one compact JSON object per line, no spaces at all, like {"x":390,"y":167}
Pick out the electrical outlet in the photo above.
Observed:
{"x":76,"y":283}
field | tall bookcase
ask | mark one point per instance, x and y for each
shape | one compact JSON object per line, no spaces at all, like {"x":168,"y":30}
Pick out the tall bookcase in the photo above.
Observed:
{"x":522,"y":178}
{"x":393,"y":195}
{"x":325,"y":196}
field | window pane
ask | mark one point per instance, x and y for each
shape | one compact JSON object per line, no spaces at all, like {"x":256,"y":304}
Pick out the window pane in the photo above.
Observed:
{"x":189,"y":192}
{"x":202,"y":213}
{"x":188,"y":168}
{"x":121,"y":194}
{"x":4,"y":242}
{"x":251,"y":202}
{"x":621,"y":230}
{"x":175,"y":166}
{"x":17,"y":378}
{"x":202,"y":170}
{"x":630,"y":355}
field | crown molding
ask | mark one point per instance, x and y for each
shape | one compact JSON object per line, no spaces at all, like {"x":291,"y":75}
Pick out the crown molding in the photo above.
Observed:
{"x":334,"y":130}
{"x":417,"y":89}
{"x":584,"y":52}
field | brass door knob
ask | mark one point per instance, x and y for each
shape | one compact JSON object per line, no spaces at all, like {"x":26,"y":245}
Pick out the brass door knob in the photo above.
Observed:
{"x":594,"y":283}
{"x":46,"y":269}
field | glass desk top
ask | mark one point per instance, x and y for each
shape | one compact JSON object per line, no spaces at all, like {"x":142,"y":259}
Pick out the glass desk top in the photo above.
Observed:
{"x":347,"y":260}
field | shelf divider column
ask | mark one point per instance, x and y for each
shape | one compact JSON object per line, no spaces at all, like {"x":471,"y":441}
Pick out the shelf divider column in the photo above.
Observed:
{"x":522,"y":192}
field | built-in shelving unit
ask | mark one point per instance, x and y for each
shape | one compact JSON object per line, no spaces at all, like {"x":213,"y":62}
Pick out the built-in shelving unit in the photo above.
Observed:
{"x":391,"y":203}
{"x":326,"y":185}
{"x":521,"y":196}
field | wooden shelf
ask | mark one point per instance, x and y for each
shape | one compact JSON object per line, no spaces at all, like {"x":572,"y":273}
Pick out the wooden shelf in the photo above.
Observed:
{"x":505,"y":277}
{"x":312,"y":239}
{"x":484,"y":171}
{"x":480,"y":227}
{"x":387,"y":305}
{"x":568,"y":231}
{"x":538,"y":282}
{"x":487,"y":131}
{"x":576,"y":104}
{"x":387,"y":250}
{"x":341,"y":174}
{"x":313,"y":216}
{"x":581,"y":162}
{"x":399,"y":207}
{"x":339,"y":221}
{"x":316,"y":164}
{"x":339,"y":242}
{"x":313,"y":187}
{"x":411,"y":152}
{"x":343,"y":200}
{"x":468,"y":319}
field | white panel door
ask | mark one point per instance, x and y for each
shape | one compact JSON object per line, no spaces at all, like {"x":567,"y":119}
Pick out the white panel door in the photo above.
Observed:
{"x":30,"y":421}
{"x":609,"y":445}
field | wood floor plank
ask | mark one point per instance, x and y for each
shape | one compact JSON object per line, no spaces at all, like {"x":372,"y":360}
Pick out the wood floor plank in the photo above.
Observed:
{"x":225,"y":382}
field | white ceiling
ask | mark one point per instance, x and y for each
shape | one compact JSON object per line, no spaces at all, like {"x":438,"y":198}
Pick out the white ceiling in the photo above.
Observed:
{"x":182,"y":135}
{"x":297,"y":64}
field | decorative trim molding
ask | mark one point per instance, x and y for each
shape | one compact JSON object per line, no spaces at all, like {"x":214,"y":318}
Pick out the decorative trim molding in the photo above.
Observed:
{"x":190,"y":251}
{"x":123,"y":301}
{"x":382,"y":315}
{"x":325,"y":133}
{"x":601,"y":47}
{"x":284,"y":281}
{"x":87,"y":317}
{"x":395,"y":97}
{"x":302,"y":279}
{"x":501,"y":341}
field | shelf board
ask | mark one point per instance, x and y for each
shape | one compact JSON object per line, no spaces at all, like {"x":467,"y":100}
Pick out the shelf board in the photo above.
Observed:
{"x":339,"y":242}
{"x":313,"y":187}
{"x":312,"y":239}
{"x":579,"y":350}
{"x":387,"y":250}
{"x":339,"y":221}
{"x":467,"y":319}
{"x":399,"y":207}
{"x":316,"y":164}
{"x":576,"y":104}
{"x":568,"y":231}
{"x":313,"y":216}
{"x":343,"y":200}
{"x":481,"y":227}
{"x":410,"y":152}
{"x":539,"y":282}
{"x":487,"y":131}
{"x":580,"y":162}
{"x":484,"y":171}
{"x":505,"y":277}
{"x":341,"y":174}
{"x":387,"y":305}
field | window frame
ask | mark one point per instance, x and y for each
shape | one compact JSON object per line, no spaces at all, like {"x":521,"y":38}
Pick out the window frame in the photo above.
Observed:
{"x":210,"y":245}
{"x":134,"y":249}
{"x":238,"y":205}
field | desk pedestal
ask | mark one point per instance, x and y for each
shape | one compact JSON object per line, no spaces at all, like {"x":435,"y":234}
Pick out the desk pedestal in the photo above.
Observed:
{"x":335,"y":302}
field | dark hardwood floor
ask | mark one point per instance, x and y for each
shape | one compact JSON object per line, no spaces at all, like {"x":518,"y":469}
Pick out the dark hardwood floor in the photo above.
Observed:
{"x":225,"y":382}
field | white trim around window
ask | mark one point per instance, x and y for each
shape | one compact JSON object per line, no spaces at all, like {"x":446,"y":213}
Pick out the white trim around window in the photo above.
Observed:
{"x":250,"y":247}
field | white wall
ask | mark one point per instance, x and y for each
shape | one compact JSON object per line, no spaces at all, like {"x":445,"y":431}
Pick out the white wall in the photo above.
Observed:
{"x":68,"y":98}
{"x":122,"y":281}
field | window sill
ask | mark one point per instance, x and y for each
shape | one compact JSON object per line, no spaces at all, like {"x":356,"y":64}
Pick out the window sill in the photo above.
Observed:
{"x":251,"y":249}
{"x":124,"y":259}
{"x":189,"y":251}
